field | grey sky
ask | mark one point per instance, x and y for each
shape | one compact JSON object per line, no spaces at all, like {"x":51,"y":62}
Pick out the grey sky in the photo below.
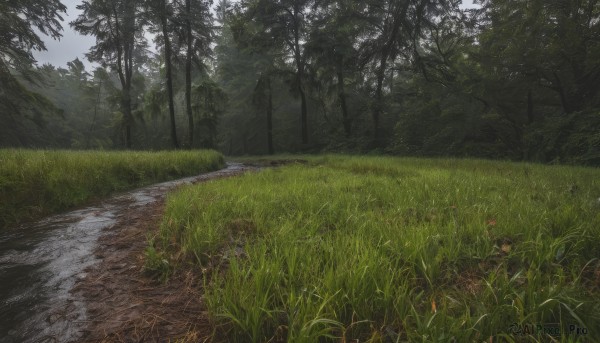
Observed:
{"x":73,"y":45}
{"x":70,"y":46}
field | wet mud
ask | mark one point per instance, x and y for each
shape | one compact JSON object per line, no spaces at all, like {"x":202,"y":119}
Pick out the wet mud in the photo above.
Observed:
{"x":78,"y":276}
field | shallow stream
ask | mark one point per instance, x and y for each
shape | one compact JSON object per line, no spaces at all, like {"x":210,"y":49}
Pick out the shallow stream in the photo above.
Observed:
{"x":40,"y":263}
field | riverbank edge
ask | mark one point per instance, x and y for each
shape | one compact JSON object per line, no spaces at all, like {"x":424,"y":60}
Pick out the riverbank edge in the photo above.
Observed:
{"x":124,"y":303}
{"x":37,"y":183}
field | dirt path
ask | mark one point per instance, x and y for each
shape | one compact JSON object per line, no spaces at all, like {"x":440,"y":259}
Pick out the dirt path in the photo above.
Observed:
{"x":125,"y":305}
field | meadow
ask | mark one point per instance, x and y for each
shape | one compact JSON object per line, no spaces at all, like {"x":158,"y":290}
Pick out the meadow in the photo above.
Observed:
{"x":34,"y":183}
{"x":378,"y":249}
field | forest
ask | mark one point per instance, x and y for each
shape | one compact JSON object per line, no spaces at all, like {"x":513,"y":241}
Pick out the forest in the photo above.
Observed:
{"x":513,"y":80}
{"x":301,"y":171}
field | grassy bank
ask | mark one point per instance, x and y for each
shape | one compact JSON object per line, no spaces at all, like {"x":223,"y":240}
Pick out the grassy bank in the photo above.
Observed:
{"x":391,"y":250}
{"x":35,"y":183}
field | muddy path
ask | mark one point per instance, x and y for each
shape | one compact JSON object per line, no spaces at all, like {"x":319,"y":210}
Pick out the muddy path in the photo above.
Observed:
{"x":79,"y":276}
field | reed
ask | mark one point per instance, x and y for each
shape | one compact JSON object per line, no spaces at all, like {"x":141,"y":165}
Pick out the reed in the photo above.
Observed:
{"x":34,"y":183}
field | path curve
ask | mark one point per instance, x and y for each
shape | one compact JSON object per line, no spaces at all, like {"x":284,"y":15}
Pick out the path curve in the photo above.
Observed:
{"x":53,"y":271}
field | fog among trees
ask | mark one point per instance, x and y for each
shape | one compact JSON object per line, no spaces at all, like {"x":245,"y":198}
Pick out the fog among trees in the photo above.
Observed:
{"x":514,"y":80}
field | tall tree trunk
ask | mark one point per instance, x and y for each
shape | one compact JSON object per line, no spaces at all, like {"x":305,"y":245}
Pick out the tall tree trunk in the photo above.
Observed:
{"x":530,"y":117}
{"x":124,"y":77}
{"x":125,"y":65}
{"x":300,"y":76}
{"x":169,"y":71}
{"x":304,"y":116}
{"x":303,"y":108}
{"x":563,"y":97}
{"x":378,"y":105}
{"x":96,"y":108}
{"x":188,"y":73}
{"x":342,"y":98}
{"x":270,"y":117}
{"x":390,"y":33}
{"x":126,"y":108}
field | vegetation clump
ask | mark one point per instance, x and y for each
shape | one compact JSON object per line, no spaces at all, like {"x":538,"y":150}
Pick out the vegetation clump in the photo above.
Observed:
{"x":392,"y":249}
{"x":34,"y":183}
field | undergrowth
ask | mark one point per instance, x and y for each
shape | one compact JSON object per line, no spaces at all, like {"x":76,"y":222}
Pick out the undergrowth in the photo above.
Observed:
{"x":37,"y":182}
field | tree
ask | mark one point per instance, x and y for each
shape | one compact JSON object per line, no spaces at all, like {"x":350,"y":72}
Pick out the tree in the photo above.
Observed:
{"x":19,"y":21}
{"x":208,"y":103}
{"x":263,"y":100}
{"x":552,"y":44}
{"x":78,"y":94}
{"x":331,"y":48}
{"x":18,"y":38}
{"x":196,"y":31}
{"x":117,"y":27}
{"x":538,"y":64}
{"x":260,"y":52}
{"x":286,"y":21}
{"x":394,"y":30}
{"x":161,"y":14}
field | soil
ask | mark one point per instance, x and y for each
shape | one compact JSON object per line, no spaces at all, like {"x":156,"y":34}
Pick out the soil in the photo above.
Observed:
{"x":124,"y":304}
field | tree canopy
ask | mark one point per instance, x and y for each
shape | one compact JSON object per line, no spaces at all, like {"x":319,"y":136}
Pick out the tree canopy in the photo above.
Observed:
{"x":21,"y":24}
{"x":507,"y":79}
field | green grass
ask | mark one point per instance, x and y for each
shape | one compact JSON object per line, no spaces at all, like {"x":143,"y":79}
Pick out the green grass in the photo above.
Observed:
{"x":349,"y":249}
{"x":35,"y":183}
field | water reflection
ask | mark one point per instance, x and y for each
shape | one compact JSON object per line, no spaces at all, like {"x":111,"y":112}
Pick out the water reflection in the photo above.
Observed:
{"x":40,"y":263}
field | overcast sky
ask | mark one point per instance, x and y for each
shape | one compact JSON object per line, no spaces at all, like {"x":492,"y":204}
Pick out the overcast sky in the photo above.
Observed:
{"x":70,"y":46}
{"x":73,"y":45}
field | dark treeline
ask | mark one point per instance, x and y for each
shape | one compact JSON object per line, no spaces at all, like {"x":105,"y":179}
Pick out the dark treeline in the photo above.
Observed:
{"x":511,"y":79}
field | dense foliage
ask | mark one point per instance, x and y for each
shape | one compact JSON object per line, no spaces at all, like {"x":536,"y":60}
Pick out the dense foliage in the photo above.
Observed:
{"x":36,"y":183}
{"x":507,"y":79}
{"x":20,"y":22}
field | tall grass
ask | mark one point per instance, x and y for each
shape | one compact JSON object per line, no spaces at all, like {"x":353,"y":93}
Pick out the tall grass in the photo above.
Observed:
{"x":34,"y":183}
{"x":354,"y":249}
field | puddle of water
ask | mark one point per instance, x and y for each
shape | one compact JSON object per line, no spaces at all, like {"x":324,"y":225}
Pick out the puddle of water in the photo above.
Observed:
{"x":40,"y":263}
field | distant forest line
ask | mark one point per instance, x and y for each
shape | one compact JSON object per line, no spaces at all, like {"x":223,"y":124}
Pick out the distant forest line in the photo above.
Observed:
{"x":515,"y":80}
